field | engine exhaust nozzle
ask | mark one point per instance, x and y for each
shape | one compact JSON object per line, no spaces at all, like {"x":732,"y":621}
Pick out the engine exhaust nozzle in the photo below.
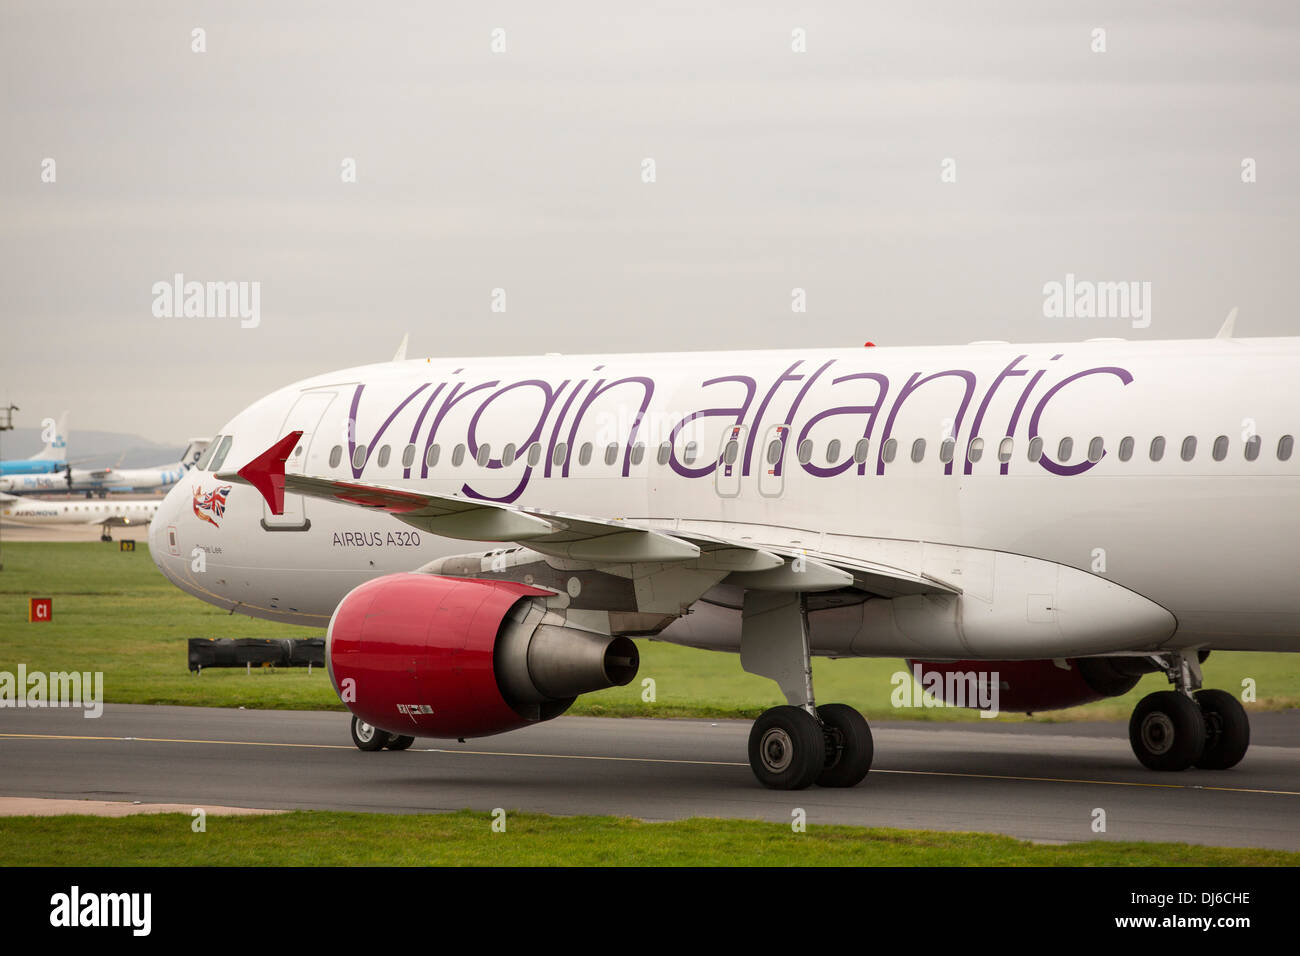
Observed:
{"x":552,"y":663}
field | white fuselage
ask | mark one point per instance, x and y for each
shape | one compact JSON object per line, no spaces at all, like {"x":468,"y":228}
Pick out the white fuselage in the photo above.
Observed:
{"x":116,"y":513}
{"x":874,"y":463}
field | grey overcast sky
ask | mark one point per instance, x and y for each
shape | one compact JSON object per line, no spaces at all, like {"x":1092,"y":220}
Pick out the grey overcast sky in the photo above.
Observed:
{"x":522,"y":170}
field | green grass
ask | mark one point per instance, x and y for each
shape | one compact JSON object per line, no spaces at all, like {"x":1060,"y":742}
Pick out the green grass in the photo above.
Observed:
{"x":114,"y":612}
{"x":466,"y":838}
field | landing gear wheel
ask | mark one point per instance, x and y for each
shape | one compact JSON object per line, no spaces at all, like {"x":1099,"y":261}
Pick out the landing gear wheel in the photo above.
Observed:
{"x":1167,"y":731}
{"x":367,"y":737}
{"x":1227,"y":730}
{"x":787,"y":749}
{"x":400,"y":742}
{"x":849,"y":747}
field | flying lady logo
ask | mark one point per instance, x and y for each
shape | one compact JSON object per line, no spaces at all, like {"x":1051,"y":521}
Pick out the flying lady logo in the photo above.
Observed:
{"x":212,"y":505}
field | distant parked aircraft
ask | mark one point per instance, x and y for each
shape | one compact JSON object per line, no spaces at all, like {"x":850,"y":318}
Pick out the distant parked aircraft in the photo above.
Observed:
{"x":52,"y":458}
{"x":103,"y":480}
{"x":106,"y":514}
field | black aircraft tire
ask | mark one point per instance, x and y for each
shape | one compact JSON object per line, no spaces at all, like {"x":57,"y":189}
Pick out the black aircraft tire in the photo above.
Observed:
{"x":1167,"y":731}
{"x":787,"y":749}
{"x":848,"y":757}
{"x":1227,"y":730}
{"x":368,"y":738}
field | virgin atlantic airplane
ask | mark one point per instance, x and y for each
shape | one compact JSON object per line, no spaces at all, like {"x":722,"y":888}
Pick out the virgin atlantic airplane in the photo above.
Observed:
{"x":486,"y":537}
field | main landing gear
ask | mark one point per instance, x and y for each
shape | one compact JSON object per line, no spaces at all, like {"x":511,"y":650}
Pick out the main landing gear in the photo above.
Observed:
{"x":1185,"y":727}
{"x":368,"y":737}
{"x":791,"y":748}
{"x":794,"y":746}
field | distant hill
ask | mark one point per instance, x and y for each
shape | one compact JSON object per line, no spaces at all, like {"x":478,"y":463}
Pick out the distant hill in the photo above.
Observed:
{"x":93,"y":449}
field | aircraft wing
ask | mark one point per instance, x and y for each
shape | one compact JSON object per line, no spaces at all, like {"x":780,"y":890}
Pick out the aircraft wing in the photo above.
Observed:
{"x":601,"y":541}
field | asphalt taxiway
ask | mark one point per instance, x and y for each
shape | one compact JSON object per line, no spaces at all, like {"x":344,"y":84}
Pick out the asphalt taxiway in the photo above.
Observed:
{"x":1029,"y":780}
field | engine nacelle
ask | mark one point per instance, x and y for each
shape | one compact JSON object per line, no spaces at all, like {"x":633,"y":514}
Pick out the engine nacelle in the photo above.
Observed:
{"x":1028,"y":686}
{"x":434,"y":656}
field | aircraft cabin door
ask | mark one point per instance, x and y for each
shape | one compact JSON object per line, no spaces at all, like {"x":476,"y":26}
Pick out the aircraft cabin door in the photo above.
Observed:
{"x":771,"y":461}
{"x":727,"y":475}
{"x":305,"y":415}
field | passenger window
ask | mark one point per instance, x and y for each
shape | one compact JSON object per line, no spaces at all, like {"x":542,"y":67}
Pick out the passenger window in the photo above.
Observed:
{"x":457,"y":456}
{"x":1157,"y":448}
{"x":484,"y":455}
{"x":947,"y":448}
{"x":508,"y":455}
{"x":774,"y":449}
{"x":336,"y":456}
{"x":1189,"y":448}
{"x":731,"y":452}
{"x":861,"y":450}
{"x":918,"y":450}
{"x":832,"y":451}
{"x":431,"y":456}
{"x":220,"y":458}
{"x":638,"y":453}
{"x":408,"y":456}
{"x":665,"y":452}
{"x":359,"y":457}
{"x":1006,"y":448}
{"x":584,"y":454}
{"x":560,"y":453}
{"x":890,"y":450}
{"x":1064,"y":450}
{"x":1284,"y":448}
{"x":202,"y":463}
{"x":1220,"y":450}
{"x":1035,"y":449}
{"x":1096,"y":448}
{"x":1126,"y":448}
{"x":691,"y":452}
{"x":805,"y":451}
{"x":384,"y":454}
{"x":1252,"y":447}
{"x":534,"y":453}
{"x":975,"y":450}
{"x":611,"y":453}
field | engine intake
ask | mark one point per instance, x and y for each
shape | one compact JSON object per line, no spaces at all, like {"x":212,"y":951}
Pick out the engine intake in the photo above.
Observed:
{"x":435,"y":656}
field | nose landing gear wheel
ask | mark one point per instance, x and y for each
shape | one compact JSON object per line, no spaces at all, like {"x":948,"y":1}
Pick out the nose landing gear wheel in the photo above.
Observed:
{"x":1227,"y":730}
{"x":400,"y":742}
{"x":787,"y":749}
{"x":849,"y":747}
{"x":368,"y":737}
{"x":1167,"y":731}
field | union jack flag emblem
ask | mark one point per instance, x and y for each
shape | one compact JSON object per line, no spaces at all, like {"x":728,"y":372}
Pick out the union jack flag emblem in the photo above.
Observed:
{"x":211,"y":506}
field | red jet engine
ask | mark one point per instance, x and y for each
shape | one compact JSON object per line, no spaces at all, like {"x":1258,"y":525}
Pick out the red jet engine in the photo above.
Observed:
{"x":432,"y":656}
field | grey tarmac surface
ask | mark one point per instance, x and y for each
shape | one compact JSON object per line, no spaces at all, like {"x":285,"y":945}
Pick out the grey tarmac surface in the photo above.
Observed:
{"x":1033,"y":781}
